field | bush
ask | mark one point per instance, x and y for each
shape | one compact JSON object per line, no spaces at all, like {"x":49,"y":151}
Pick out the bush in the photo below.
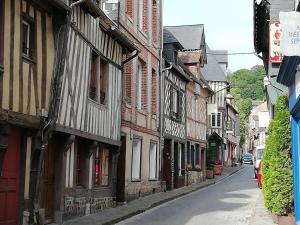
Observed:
{"x":277,"y":162}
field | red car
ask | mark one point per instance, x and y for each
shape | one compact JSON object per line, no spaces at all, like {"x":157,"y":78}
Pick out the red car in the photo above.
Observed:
{"x":259,"y":175}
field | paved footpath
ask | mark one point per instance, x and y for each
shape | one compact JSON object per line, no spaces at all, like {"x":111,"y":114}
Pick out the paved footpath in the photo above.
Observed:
{"x":231,"y":197}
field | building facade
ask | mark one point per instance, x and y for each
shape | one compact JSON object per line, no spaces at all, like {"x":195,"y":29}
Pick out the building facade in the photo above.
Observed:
{"x":174,"y":114}
{"x":217,"y":108}
{"x":193,"y":56}
{"x":28,"y":39}
{"x":139,"y":169}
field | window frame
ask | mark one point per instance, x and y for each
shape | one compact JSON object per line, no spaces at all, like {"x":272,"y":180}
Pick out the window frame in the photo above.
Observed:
{"x":30,"y":45}
{"x":139,"y":86}
{"x":140,"y":140}
{"x":176,"y":115}
{"x":100,"y":151}
{"x":96,"y":68}
{"x":215,"y":120}
{"x":140,"y":12}
{"x":156,"y":177}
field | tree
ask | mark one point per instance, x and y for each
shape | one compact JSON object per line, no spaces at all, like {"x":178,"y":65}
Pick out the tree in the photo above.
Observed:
{"x":277,"y":162}
{"x":246,"y":86}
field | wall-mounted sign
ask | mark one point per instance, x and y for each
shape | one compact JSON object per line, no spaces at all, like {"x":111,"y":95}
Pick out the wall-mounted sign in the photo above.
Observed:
{"x":290,"y":41}
{"x":275,"y":55}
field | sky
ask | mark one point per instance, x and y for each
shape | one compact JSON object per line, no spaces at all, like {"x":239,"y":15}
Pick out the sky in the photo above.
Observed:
{"x":228,"y":24}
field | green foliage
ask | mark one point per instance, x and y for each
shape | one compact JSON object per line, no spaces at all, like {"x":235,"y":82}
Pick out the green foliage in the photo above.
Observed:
{"x":277,"y":163}
{"x":246,"y":85}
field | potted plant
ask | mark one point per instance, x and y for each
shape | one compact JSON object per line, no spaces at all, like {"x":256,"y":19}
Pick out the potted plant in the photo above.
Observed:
{"x":218,"y":167}
{"x":198,"y":167}
{"x":210,"y":171}
{"x":189,"y":167}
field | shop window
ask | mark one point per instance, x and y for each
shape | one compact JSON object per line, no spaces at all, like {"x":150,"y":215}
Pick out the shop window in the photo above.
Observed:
{"x":101,"y":169}
{"x":136,"y":159}
{"x":28,"y":39}
{"x":152,"y":160}
{"x":79,"y":166}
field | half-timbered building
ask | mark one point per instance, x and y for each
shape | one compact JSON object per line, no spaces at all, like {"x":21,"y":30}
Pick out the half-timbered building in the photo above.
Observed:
{"x":82,"y":153}
{"x":216,"y":107}
{"x":29,"y":34}
{"x":173,"y":95}
{"x":197,"y":92}
{"x":139,"y":162}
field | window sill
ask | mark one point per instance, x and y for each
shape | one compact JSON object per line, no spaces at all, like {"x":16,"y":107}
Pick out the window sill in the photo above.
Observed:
{"x":98,"y":104}
{"x":152,"y":179}
{"x":136,"y":180}
{"x":28,"y":59}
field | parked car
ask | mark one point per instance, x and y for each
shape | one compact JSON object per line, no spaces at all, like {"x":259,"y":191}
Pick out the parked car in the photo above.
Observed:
{"x":248,"y":158}
{"x":259,"y":175}
{"x":257,"y":158}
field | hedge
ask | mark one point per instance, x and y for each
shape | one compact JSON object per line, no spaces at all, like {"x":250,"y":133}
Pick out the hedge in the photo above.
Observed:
{"x":277,"y":162}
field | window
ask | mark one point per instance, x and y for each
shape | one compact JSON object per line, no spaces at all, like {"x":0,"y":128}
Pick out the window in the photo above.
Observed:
{"x":136,"y":159}
{"x":101,"y":167}
{"x":140,"y":14}
{"x":99,"y":73}
{"x":139,"y":81}
{"x":181,"y":159}
{"x":103,"y":82}
{"x":152,"y":160}
{"x":216,"y":120}
{"x":79,"y":167}
{"x":1,"y":34}
{"x":27,"y":39}
{"x":93,"y":78}
{"x":176,"y":103}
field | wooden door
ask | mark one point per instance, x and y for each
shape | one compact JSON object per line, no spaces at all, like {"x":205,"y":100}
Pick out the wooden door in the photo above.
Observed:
{"x":167,"y":170}
{"x":121,"y":172}
{"x":47,"y":201}
{"x":9,"y":181}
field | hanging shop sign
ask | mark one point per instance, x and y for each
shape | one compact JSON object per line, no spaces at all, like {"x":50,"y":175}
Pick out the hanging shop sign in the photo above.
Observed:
{"x":275,"y":55}
{"x":290,"y":41}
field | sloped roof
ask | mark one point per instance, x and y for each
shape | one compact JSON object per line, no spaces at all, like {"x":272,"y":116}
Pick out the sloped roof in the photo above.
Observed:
{"x":170,"y":39}
{"x":263,"y":107}
{"x":221,"y":55}
{"x":190,"y":36}
{"x":212,"y":71}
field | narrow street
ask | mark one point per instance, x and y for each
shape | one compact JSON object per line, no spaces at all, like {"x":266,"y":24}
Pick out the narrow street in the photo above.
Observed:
{"x":231,"y":201}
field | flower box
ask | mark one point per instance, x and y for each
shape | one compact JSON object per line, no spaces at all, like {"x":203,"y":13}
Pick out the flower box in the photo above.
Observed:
{"x":209,"y":174}
{"x":218,"y":169}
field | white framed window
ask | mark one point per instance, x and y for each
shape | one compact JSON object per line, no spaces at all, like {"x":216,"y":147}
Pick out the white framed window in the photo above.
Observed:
{"x":140,"y":13}
{"x":152,"y":161}
{"x":175,"y":101}
{"x":139,"y":81}
{"x":26,"y":29}
{"x":179,"y":160}
{"x":216,"y":120}
{"x":136,"y":159}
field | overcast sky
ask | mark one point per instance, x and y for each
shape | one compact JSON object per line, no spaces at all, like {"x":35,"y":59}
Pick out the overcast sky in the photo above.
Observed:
{"x":228,"y":24}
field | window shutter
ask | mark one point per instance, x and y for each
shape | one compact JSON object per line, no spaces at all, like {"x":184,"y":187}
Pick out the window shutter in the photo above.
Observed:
{"x":219,"y":120}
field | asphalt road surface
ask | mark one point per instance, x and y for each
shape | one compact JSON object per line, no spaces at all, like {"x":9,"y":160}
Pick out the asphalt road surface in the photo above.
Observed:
{"x":229,"y":202}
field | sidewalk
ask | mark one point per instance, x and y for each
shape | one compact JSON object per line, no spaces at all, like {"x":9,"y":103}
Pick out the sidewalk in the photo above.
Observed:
{"x":114,"y":215}
{"x":261,"y":216}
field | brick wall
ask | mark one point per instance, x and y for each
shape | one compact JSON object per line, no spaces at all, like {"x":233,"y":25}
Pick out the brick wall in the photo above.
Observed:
{"x":154,"y":22}
{"x":129,"y":8}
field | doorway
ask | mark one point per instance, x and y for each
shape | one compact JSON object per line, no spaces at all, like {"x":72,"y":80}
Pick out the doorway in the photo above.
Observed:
{"x":10,"y":181}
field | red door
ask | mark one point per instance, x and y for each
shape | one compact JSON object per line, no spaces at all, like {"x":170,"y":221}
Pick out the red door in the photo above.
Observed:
{"x":9,"y":181}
